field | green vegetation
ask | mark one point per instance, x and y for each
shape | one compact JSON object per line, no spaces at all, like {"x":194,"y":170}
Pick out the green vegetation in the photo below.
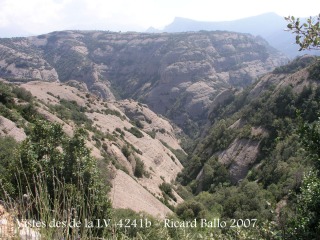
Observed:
{"x":283,"y":172}
{"x":71,"y":64}
{"x":295,"y":65}
{"x":152,"y":133}
{"x":114,"y":112}
{"x":305,"y":223}
{"x":180,"y":154}
{"x":50,"y":174}
{"x":122,"y":134}
{"x":167,"y":194}
{"x":20,"y":111}
{"x":307,"y":33}
{"x":139,"y":170}
{"x":53,"y":176}
{"x":125,"y":150}
{"x":70,"y":110}
{"x":166,"y":189}
{"x":138,"y":123}
{"x":191,"y":210}
{"x":135,"y":131}
{"x":314,"y":71}
{"x":8,"y":154}
{"x":58,"y":175}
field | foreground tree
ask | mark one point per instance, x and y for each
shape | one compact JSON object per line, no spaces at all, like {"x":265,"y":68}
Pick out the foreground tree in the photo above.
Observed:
{"x":305,"y":224}
{"x":307,"y":33}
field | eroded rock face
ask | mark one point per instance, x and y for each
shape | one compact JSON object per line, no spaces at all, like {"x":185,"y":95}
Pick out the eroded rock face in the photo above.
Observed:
{"x":24,"y":65}
{"x":9,"y":128}
{"x":177,"y":75}
{"x":112,"y":123}
{"x":239,"y":155}
{"x":135,"y":197}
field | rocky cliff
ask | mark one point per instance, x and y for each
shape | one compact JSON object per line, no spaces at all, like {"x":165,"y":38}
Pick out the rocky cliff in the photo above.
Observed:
{"x":177,"y":75}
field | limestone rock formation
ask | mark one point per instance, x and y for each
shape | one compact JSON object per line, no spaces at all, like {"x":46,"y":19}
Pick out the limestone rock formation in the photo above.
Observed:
{"x":178,"y":75}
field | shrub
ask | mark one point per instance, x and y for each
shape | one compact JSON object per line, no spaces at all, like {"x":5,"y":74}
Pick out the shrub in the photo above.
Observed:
{"x":23,"y":94}
{"x":6,"y":95}
{"x":162,"y":130}
{"x":152,"y":133}
{"x":122,"y":134}
{"x":71,"y":110}
{"x":125,"y":150}
{"x":139,"y":170}
{"x":138,"y":124}
{"x":114,"y":112}
{"x":190,"y":210}
{"x":167,"y":190}
{"x":59,"y":176}
{"x":8,"y":150}
{"x":135,"y":131}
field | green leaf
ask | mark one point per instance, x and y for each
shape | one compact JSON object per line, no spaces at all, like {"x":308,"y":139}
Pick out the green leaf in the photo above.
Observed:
{"x":298,"y":39}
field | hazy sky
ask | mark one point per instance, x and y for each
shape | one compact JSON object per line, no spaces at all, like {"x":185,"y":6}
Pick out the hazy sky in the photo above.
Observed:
{"x":42,"y":16}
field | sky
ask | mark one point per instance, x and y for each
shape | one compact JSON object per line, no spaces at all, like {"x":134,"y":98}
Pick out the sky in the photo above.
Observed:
{"x":33,"y":17}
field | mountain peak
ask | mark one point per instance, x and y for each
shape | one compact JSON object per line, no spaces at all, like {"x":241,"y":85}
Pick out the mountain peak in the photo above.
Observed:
{"x":268,"y":25}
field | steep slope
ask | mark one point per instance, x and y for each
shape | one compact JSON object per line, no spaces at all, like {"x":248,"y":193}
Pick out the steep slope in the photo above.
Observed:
{"x":176,"y":75}
{"x":246,"y":121}
{"x":125,"y":152}
{"x":252,"y":159}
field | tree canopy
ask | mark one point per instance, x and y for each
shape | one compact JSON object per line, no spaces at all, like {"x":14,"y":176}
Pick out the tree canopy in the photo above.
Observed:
{"x":307,"y":33}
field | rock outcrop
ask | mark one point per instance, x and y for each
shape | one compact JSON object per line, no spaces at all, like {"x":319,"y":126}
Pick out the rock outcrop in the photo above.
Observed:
{"x":177,"y":75}
{"x":9,"y":128}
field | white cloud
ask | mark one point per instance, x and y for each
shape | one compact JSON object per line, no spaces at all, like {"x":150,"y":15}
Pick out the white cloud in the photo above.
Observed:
{"x":40,"y":16}
{"x":31,"y":15}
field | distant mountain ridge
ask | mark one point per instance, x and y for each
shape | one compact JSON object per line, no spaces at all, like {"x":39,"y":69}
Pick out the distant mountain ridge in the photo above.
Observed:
{"x":177,"y":74}
{"x":270,"y":26}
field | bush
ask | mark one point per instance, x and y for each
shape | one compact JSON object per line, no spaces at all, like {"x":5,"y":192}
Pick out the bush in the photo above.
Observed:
{"x":125,"y":150}
{"x":191,"y":210}
{"x":152,"y":134}
{"x":71,"y":110}
{"x":138,"y":124}
{"x":6,"y":95}
{"x":23,"y":94}
{"x":139,"y":170}
{"x":59,"y":176}
{"x":167,"y":190}
{"x":135,"y":131}
{"x":8,"y":154}
{"x":115,"y":113}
